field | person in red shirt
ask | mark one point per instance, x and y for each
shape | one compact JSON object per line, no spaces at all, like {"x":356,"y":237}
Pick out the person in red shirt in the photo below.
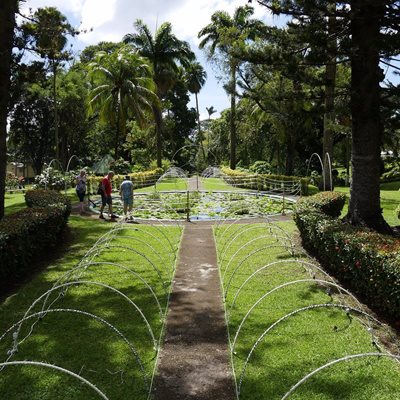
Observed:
{"x":106,"y":198}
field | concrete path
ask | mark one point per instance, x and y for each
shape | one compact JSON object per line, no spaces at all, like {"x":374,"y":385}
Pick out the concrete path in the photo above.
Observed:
{"x":194,"y":362}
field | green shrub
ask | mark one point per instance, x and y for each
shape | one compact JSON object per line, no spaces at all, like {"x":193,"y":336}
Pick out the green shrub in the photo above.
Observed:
{"x":261,"y":167}
{"x":48,"y":198}
{"x":369,"y":263}
{"x":397,"y":211}
{"x":26,"y":234}
{"x":330,"y":203}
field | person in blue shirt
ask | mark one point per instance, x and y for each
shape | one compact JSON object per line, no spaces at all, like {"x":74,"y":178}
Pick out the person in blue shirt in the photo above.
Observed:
{"x":126,"y":193}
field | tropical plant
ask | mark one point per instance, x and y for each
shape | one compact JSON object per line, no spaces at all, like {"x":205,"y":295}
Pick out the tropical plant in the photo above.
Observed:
{"x":195,"y":79}
{"x":164,"y":51}
{"x":222,"y":34}
{"x":122,"y":88}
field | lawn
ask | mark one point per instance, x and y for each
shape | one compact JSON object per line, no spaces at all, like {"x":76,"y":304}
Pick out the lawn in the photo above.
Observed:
{"x":300,"y":343}
{"x":124,"y":298}
{"x":167,"y":184}
{"x":390,"y":199}
{"x":211,"y":184}
{"x":14,"y":202}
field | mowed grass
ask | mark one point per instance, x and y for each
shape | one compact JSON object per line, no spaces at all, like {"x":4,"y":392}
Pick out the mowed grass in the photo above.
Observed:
{"x":167,"y":184}
{"x":14,"y":202}
{"x":211,"y":184}
{"x":302,"y":342}
{"x":390,"y":199}
{"x":81,"y":343}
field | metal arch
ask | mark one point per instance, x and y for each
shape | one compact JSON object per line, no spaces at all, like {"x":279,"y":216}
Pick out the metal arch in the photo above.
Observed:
{"x":238,"y":232}
{"x":282,"y":286}
{"x":271,"y":327}
{"x":328,"y":158}
{"x":136,"y":229}
{"x":246,"y":258}
{"x":42,"y":314}
{"x":74,"y":283}
{"x":294,"y":261}
{"x":141,"y":255}
{"x":85,"y":266}
{"x":57,"y":368}
{"x":135,"y":239}
{"x":322,"y":166}
{"x":283,"y":244}
{"x":339,"y":360}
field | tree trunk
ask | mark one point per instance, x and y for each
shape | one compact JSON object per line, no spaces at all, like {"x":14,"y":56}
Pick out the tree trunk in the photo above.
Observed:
{"x":57,"y":152}
{"x":199,"y":128}
{"x":233,"y":118}
{"x":329,"y":116}
{"x":289,"y":155}
{"x":7,"y":22}
{"x":158,"y":121}
{"x":367,"y":130}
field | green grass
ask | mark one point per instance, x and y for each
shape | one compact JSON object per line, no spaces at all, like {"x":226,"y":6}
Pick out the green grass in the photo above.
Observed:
{"x":14,"y":202}
{"x":82,"y":344}
{"x":301,"y":343}
{"x":217,"y":184}
{"x":167,"y":184}
{"x":390,"y":199}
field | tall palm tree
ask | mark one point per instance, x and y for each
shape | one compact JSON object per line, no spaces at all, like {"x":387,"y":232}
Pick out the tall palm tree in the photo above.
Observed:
{"x":195,"y":79}
{"x":222,"y":34}
{"x":123,"y":87}
{"x":165,"y":52}
{"x":210,"y":111}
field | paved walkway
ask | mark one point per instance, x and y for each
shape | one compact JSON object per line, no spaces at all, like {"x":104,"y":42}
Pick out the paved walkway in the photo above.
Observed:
{"x":194,"y":362}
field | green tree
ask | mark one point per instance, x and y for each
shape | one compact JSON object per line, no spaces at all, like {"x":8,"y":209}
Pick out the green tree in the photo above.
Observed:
{"x":122,"y":88}
{"x":371,"y":36}
{"x":165,"y":52}
{"x":8,"y":9}
{"x":196,"y":78}
{"x":222,"y":34}
{"x":45,"y":33}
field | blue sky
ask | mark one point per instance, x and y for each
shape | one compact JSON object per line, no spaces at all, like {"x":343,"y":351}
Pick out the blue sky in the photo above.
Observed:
{"x":112,"y":19}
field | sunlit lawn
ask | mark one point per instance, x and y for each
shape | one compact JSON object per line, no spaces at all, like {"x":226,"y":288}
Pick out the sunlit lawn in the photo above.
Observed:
{"x":211,"y":184}
{"x":82,"y":344}
{"x":301,"y":343}
{"x":390,"y":199}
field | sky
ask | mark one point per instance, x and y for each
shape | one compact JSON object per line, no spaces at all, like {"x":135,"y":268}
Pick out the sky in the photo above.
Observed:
{"x":112,"y":19}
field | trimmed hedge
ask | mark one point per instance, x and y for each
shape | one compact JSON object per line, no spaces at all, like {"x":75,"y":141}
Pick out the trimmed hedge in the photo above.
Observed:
{"x":48,"y":198}
{"x":257,"y":181}
{"x":367,"y":262}
{"x":139,"y":179}
{"x":26,"y":234}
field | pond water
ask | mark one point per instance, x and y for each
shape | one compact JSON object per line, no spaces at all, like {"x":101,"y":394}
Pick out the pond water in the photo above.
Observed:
{"x":202,"y":205}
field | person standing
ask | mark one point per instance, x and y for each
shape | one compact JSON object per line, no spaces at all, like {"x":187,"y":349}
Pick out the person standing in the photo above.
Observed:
{"x":81,"y":190}
{"x":126,"y":193}
{"x":106,"y":199}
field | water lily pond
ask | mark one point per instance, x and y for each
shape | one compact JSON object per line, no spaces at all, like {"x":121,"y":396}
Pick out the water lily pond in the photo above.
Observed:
{"x":202,"y":205}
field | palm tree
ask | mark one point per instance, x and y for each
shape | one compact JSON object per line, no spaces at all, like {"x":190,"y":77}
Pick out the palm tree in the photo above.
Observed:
{"x":123,"y":88}
{"x":222,"y":34}
{"x":164,"y":51}
{"x":210,"y":111}
{"x":195,"y":79}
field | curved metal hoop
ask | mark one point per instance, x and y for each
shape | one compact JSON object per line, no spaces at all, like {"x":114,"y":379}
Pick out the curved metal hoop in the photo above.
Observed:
{"x":57,"y":368}
{"x":339,"y":360}
{"x":68,"y":284}
{"x":42,"y":314}
{"x":271,"y":327}
{"x":322,"y":282}
{"x":264,"y":267}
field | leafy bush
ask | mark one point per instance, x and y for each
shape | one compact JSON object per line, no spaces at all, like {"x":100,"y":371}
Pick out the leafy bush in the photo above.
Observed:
{"x":54,"y":179}
{"x":120,"y":167}
{"x":12,"y":181}
{"x":48,"y":199}
{"x":261,"y":167}
{"x":26,"y":234}
{"x":391,"y":175}
{"x":330,"y":203}
{"x":369,"y":263}
{"x":397,"y":211}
